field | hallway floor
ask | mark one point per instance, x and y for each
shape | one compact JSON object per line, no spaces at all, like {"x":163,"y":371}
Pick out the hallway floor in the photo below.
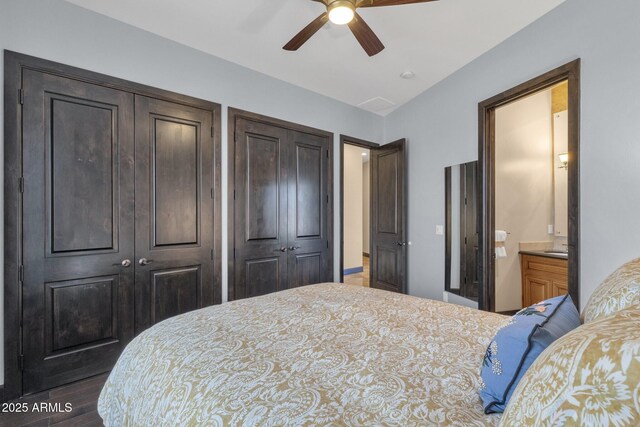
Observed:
{"x":359,"y":279}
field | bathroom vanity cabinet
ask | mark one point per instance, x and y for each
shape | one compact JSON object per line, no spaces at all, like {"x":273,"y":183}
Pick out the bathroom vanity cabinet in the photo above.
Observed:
{"x":543,"y":276}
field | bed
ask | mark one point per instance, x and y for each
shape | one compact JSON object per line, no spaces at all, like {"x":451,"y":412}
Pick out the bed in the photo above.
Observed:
{"x":327,"y":354}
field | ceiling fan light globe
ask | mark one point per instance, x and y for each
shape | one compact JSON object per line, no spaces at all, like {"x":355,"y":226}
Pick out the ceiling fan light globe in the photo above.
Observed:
{"x":341,"y":12}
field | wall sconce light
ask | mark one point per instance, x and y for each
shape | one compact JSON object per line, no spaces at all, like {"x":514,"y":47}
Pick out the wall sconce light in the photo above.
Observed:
{"x":564,"y":159}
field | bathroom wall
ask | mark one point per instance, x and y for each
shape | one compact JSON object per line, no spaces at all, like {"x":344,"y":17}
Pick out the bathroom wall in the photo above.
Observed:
{"x":524,"y":187}
{"x":366,"y":201}
{"x":352,"y":207}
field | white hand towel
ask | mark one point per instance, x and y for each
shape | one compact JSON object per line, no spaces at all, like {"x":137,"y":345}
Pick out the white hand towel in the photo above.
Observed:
{"x":501,"y":252}
{"x":501,"y":236}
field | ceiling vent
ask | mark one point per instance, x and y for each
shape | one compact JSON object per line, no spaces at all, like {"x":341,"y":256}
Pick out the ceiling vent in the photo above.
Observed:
{"x":377,"y":105}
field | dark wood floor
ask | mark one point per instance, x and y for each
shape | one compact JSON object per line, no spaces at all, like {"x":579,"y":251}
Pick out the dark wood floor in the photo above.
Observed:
{"x":82,"y":395}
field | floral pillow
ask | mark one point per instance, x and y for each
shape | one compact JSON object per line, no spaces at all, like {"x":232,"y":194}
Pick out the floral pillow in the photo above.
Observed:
{"x":515,"y":347}
{"x":589,"y":377}
{"x":620,"y":290}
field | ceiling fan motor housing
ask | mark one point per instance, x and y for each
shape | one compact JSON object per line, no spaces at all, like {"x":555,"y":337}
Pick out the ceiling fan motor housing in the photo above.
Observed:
{"x":332,"y":4}
{"x":341,"y":11}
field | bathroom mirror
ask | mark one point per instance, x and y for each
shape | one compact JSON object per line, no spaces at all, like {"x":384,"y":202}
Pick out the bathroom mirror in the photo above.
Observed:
{"x":461,"y":230}
{"x":560,"y":173}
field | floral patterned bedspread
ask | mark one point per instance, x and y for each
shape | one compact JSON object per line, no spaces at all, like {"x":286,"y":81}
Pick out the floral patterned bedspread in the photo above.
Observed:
{"x":328,"y":354}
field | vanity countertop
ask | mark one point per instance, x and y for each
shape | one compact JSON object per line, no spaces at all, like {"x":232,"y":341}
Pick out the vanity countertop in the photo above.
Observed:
{"x":558,"y":255}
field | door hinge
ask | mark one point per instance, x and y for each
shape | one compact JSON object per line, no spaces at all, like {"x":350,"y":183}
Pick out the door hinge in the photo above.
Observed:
{"x":234,"y":194}
{"x":21,"y":273}
{"x":465,"y":240}
{"x":211,"y":254}
{"x":213,"y":131}
{"x":21,"y":96}
{"x":327,"y":154}
{"x":235,"y":137}
{"x":22,"y":362}
{"x":465,"y":201}
{"x":327,"y":198}
{"x":212,"y":193}
{"x":327,"y":244}
{"x":234,"y":253}
{"x":21,"y":184}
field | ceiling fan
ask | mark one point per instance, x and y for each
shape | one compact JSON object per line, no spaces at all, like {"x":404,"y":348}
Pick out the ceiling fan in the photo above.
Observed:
{"x":343,"y":12}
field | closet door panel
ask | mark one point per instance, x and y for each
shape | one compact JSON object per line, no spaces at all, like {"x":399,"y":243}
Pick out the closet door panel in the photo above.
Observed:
{"x":174,"y":210}
{"x":77,"y":221}
{"x":308,"y":206}
{"x":175,"y":183}
{"x":260,"y":205}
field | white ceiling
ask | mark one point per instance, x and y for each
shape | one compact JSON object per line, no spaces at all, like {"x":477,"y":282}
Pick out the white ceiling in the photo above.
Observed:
{"x":431,"y":39}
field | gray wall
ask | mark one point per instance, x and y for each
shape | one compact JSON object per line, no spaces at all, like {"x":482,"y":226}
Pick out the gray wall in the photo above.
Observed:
{"x":442,"y":128}
{"x":59,"y":31}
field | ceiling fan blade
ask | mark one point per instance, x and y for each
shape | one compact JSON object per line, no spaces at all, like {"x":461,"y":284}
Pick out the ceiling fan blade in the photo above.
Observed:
{"x":306,"y":33}
{"x":380,"y":3}
{"x":365,"y":36}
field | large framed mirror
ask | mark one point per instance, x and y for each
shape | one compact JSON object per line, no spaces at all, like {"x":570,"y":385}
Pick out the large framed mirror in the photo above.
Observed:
{"x":461,"y":230}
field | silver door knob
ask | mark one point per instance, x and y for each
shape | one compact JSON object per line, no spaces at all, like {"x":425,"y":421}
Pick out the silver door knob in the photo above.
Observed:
{"x":144,"y":261}
{"x":125,"y":262}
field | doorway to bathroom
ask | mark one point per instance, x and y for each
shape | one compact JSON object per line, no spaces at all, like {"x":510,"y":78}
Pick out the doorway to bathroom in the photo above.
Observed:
{"x":529,"y":192}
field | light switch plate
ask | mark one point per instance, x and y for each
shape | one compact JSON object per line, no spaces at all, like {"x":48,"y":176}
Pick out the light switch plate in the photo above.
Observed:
{"x":440,"y":230}
{"x":550,"y":229}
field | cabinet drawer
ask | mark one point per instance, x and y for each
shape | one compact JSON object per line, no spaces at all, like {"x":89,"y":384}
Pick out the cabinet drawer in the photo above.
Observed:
{"x":532,"y":264}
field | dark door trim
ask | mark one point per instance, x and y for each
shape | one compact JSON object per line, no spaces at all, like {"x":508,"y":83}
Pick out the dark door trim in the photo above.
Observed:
{"x":233,"y":115}
{"x":347,"y":140}
{"x":15,"y":63}
{"x":486,"y":174}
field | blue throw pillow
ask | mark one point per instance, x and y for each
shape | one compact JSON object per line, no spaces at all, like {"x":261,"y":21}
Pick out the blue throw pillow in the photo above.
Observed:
{"x":519,"y":343}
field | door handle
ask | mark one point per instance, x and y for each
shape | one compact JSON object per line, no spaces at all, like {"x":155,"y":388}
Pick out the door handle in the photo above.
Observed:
{"x":293,"y":248}
{"x":402,"y":243}
{"x":144,"y":261}
{"x":282,"y":249}
{"x":125,"y":263}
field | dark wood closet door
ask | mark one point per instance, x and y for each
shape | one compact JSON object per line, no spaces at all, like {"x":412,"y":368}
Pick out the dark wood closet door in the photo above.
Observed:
{"x":388,"y":218}
{"x":261,"y":241}
{"x":173,"y":210}
{"x":308,"y":242}
{"x":77,"y":216}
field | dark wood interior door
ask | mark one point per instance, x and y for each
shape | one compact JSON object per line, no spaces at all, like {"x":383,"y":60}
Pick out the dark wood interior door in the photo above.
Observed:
{"x":173,"y":210}
{"x":260,"y":199}
{"x":308,"y":205}
{"x":77,"y":218}
{"x":388,"y":218}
